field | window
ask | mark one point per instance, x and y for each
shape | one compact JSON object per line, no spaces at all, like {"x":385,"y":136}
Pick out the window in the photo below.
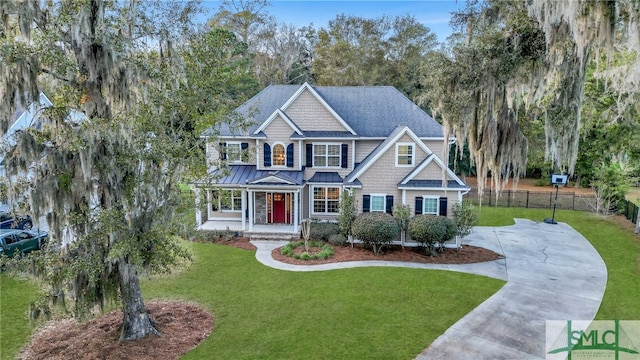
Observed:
{"x":278,"y":155}
{"x":377,"y":203}
{"x":326,"y":200}
{"x":234,"y":152}
{"x":326,"y":155}
{"x":405,"y":154}
{"x":227,"y":200}
{"x":430,"y":206}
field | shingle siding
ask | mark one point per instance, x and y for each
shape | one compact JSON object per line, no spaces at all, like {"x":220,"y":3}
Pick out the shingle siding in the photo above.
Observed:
{"x":309,"y":114}
{"x":278,"y":131}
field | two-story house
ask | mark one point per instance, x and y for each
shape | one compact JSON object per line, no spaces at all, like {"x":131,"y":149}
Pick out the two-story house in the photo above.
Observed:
{"x":307,"y":144}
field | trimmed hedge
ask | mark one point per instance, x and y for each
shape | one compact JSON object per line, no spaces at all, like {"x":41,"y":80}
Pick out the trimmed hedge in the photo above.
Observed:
{"x":375,"y":229}
{"x":322,"y":231}
{"x":429,"y":230}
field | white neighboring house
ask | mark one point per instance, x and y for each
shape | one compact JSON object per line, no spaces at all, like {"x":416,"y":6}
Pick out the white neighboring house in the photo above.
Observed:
{"x":24,"y":118}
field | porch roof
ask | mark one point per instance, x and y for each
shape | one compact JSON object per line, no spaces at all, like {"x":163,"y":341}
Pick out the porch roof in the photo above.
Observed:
{"x":420,"y":184}
{"x":325,"y":177}
{"x":245,"y":174}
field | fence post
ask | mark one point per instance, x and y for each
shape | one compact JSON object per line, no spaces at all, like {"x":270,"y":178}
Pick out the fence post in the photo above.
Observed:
{"x":550,"y":198}
{"x":573,"y":205}
{"x":508,"y":198}
{"x":527,"y":206}
{"x":490,"y":196}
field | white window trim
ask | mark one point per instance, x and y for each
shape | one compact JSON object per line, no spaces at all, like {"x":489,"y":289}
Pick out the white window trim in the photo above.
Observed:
{"x":384,"y":202}
{"x":233,"y":209}
{"x":239,"y":159}
{"x":413,"y":154}
{"x":424,"y":204}
{"x":313,"y":212}
{"x":326,"y":155}
{"x":273,"y":146}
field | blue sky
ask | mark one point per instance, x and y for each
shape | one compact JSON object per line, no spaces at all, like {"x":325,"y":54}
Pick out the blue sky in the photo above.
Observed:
{"x":434,"y":14}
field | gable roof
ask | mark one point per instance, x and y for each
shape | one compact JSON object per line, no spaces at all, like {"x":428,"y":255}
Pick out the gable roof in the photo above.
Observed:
{"x":275,"y":115}
{"x":383,"y":147}
{"x":370,"y":111}
{"x":453,"y":182}
{"x":307,"y":87}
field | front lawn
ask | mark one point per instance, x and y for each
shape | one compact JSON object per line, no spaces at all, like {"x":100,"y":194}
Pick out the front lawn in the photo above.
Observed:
{"x":353,"y":313}
{"x":383,"y":313}
{"x":618,"y":247}
{"x":270,"y":314}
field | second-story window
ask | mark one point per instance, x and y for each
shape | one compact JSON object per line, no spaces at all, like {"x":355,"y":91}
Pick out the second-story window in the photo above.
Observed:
{"x":234,"y":152}
{"x":278,"y":155}
{"x":327,"y":155}
{"x":405,"y":154}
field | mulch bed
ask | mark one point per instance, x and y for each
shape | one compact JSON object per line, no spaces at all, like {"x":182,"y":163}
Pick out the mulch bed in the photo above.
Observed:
{"x":182,"y":327}
{"x":468,"y":254}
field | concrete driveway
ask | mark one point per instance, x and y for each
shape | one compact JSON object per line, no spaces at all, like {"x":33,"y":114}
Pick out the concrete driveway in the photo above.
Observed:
{"x":552,"y":273}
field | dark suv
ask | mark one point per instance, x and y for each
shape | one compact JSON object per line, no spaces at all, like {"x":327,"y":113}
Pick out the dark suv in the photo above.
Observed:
{"x":9,"y":221}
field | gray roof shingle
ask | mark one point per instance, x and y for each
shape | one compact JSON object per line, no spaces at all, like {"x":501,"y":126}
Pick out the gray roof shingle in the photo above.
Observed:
{"x":371,"y":111}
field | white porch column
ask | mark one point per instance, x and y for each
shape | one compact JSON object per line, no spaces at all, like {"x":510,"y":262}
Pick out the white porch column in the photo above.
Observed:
{"x":243,"y":200}
{"x":296,"y":219}
{"x":198,"y":211}
{"x":250,"y":194}
{"x":404,"y":197}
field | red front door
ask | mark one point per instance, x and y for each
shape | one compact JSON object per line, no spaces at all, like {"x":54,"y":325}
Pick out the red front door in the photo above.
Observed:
{"x":279,"y":209}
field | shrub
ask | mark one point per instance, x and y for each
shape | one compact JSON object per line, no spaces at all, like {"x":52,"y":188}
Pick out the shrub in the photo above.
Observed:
{"x":322,"y":231}
{"x":375,"y":229}
{"x":325,"y":252}
{"x":465,"y":218}
{"x":429,"y":230}
{"x":338,"y":240}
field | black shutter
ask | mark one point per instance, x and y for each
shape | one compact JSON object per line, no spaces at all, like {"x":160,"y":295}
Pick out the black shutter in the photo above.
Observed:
{"x":223,"y":151}
{"x":345,"y":155}
{"x":418,"y":205}
{"x":290,"y":155}
{"x":366,"y":203}
{"x":267,"y":155}
{"x":309,"y":155}
{"x":244,"y":156}
{"x":389,"y":204}
{"x":214,"y":200}
{"x":443,"y":206}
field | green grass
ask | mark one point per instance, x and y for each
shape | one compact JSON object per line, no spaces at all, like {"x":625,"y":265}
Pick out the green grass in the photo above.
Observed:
{"x":618,"y":247}
{"x":265,"y":313}
{"x":15,"y":327}
{"x":353,"y":313}
{"x":369,"y":313}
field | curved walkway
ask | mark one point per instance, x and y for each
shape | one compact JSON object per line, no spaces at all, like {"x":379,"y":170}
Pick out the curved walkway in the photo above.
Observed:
{"x":552,"y":273}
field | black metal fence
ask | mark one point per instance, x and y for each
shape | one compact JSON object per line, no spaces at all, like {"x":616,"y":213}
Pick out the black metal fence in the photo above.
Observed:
{"x":546,"y":199}
{"x":536,"y":199}
{"x":629,"y":210}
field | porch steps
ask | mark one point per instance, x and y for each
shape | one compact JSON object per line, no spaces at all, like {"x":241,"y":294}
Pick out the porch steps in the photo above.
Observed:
{"x":271,"y":236}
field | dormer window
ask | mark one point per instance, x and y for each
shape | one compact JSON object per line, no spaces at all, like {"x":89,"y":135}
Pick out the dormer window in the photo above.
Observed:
{"x":405,"y":154}
{"x":278,"y":155}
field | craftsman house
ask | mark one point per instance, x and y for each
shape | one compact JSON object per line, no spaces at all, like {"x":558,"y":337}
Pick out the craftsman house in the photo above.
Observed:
{"x":306,"y":144}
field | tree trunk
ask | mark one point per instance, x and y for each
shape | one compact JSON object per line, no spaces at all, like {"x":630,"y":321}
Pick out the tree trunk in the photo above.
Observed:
{"x":136,"y":323}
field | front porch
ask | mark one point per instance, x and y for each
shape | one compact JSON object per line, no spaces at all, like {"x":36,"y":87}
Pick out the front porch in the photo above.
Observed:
{"x":259,"y":231}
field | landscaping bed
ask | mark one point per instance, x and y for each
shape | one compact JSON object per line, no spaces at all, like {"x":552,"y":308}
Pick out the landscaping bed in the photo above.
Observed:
{"x":468,"y":254}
